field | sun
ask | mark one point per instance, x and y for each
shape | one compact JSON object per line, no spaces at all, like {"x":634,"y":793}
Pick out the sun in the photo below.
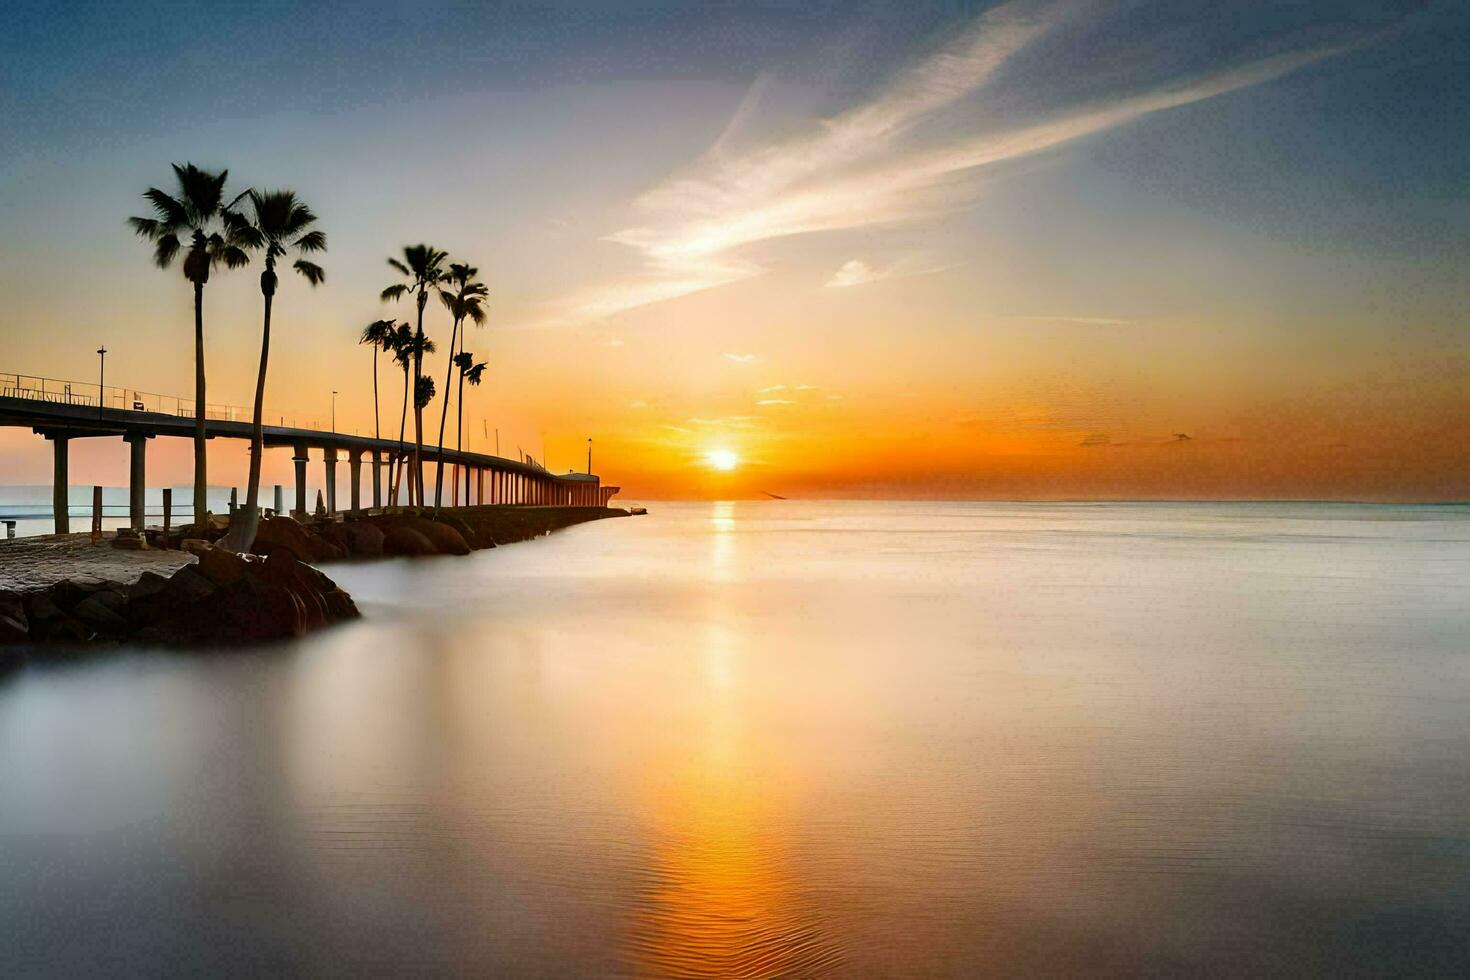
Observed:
{"x":723,"y":460}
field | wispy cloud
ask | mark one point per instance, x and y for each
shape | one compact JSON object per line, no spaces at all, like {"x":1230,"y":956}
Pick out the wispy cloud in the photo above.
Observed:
{"x":775,"y":401}
{"x":740,"y":358}
{"x":859,"y":168}
{"x":770,"y":388}
{"x":856,"y":272}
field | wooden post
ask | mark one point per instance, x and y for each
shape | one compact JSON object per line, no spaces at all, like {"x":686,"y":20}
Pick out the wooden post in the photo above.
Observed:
{"x":60,"y":499}
{"x":168,"y":513}
{"x":96,"y":515}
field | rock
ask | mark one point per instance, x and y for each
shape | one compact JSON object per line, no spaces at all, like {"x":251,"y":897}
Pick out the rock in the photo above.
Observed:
{"x":15,"y":627}
{"x":445,"y":539}
{"x":41,"y":607}
{"x":95,"y":613}
{"x":367,"y":539}
{"x":149,"y":583}
{"x":221,"y":567}
{"x":250,"y":610}
{"x":283,"y":532}
{"x":108,"y":599}
{"x":129,"y":544}
{"x":401,"y":540}
{"x":186,"y":585}
{"x":195,"y":546}
{"x":65,"y":629}
{"x":471,"y":538}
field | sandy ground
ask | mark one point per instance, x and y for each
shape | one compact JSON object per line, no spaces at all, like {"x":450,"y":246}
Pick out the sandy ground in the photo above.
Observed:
{"x":30,"y":564}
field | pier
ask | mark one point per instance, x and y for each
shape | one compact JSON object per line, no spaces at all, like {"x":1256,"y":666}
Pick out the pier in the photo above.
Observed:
{"x":62,"y":411}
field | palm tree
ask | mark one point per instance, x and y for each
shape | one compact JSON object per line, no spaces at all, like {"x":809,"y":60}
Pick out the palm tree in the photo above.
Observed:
{"x":423,"y":267}
{"x":379,"y":334}
{"x":465,"y":299}
{"x":407,"y":348}
{"x":195,"y":213}
{"x":473,"y":373}
{"x":281,"y":225}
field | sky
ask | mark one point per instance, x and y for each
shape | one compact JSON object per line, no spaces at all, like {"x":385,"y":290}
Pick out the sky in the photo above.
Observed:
{"x":820,"y":249}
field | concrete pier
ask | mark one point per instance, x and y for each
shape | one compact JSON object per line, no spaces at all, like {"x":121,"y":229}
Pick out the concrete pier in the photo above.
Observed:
{"x":329,"y":467}
{"x":354,"y":468}
{"x":300,"y":459}
{"x":137,"y":478}
{"x":60,"y":505}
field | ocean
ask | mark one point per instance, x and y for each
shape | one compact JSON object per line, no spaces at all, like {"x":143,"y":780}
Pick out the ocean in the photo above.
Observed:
{"x":787,"y":738}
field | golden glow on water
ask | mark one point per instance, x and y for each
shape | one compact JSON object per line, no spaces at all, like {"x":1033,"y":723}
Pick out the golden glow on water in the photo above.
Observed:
{"x":783,"y":738}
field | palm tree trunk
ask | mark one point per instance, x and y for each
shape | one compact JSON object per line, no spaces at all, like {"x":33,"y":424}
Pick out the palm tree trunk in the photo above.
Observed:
{"x":243,"y":523}
{"x":444,"y":417}
{"x":201,"y":461}
{"x":377,"y":421}
{"x":459,"y":437}
{"x":418,"y":413}
{"x":395,"y":480}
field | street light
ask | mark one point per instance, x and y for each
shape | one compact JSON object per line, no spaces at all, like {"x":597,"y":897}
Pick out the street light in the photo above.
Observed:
{"x":101,"y":377}
{"x":589,"y":455}
{"x":334,"y":412}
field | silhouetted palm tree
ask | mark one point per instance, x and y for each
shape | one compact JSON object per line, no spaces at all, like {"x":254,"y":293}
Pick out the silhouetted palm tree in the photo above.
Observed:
{"x":379,"y":334}
{"x":407,"y":348}
{"x":423,"y":267}
{"x":196,"y":214}
{"x":464,"y":299}
{"x":473,"y":373}
{"x":280,"y":225}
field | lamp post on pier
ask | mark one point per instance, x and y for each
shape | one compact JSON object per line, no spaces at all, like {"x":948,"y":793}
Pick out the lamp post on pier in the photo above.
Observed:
{"x":334,"y":411}
{"x":589,"y":455}
{"x":101,"y":377}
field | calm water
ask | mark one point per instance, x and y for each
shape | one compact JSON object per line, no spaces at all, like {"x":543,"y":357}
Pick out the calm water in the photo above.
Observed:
{"x":787,"y":738}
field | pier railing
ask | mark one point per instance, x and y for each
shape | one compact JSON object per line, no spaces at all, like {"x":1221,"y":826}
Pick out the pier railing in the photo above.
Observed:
{"x":133,"y":400}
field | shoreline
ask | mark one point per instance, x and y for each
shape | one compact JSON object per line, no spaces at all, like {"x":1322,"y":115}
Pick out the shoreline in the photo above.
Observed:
{"x":61,"y":592}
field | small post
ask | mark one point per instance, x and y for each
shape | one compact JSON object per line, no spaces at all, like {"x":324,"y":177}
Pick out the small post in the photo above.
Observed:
{"x":168,"y":513}
{"x":234,"y":501}
{"x":10,"y":529}
{"x":96,"y":515}
{"x":280,"y":500}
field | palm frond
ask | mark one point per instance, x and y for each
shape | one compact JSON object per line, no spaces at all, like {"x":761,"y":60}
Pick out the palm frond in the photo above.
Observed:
{"x":393,"y":292}
{"x":475,"y":374}
{"x":146,"y":228}
{"x":233,"y":257}
{"x":314,"y":273}
{"x":400,"y":266}
{"x":165,"y":251}
{"x":171,"y":213}
{"x":312,"y":241}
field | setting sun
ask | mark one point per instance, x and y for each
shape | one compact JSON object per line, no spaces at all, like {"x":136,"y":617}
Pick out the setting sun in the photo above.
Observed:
{"x":723,"y":460}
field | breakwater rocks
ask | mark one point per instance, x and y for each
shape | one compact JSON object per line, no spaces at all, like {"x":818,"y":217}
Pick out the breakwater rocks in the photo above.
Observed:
{"x":418,"y":533}
{"x":222,"y":599}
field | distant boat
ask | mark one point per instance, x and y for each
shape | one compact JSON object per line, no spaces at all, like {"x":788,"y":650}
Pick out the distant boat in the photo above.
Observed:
{"x":773,"y":496}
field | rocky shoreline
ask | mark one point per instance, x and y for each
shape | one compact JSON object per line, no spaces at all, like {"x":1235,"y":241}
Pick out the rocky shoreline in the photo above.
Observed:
{"x":223,"y":599}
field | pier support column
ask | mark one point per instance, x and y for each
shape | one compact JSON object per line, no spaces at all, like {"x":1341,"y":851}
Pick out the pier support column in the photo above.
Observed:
{"x":60,"y":503}
{"x":137,"y":477}
{"x":329,"y":467}
{"x":377,"y":479}
{"x":300,"y":460}
{"x":354,"y":468}
{"x":280,"y":500}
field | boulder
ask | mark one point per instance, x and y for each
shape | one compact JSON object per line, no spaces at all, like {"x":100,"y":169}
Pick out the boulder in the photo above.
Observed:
{"x":445,"y":539}
{"x":149,"y":583}
{"x":276,"y":533}
{"x":187,"y":585}
{"x":471,"y":538}
{"x":364,"y":539}
{"x":222,"y":567}
{"x":195,"y":546}
{"x":15,"y":626}
{"x":95,"y":613}
{"x":402,"y":540}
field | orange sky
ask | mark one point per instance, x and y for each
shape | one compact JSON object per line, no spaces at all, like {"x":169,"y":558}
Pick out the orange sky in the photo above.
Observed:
{"x":986,"y":262}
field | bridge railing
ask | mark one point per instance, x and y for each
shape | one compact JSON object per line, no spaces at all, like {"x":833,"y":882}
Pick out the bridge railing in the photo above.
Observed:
{"x":60,"y":391}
